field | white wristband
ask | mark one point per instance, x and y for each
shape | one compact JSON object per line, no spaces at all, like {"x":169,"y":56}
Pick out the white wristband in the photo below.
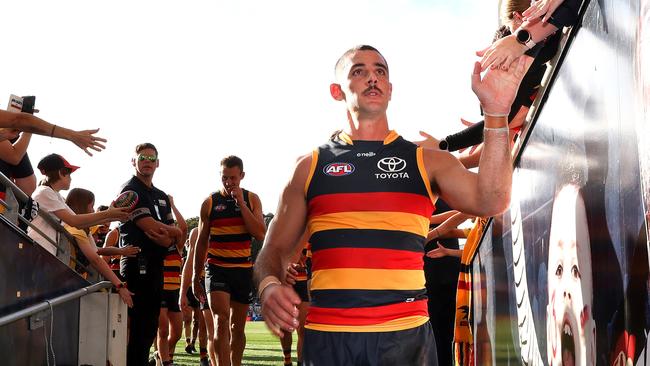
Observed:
{"x":265,"y":283}
{"x":498,"y":129}
{"x":495,"y":114}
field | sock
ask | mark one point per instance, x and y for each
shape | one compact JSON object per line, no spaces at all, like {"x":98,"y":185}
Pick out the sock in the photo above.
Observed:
{"x":203,"y":353}
{"x":187,"y":341}
{"x":287,"y":356}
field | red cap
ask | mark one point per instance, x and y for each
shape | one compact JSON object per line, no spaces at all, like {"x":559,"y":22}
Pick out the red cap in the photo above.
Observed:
{"x":54,"y":162}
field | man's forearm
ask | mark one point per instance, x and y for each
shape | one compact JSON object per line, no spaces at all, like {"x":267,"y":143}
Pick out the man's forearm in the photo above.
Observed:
{"x":495,"y":167}
{"x":256,"y":228}
{"x":269,"y":263}
{"x":199,"y":258}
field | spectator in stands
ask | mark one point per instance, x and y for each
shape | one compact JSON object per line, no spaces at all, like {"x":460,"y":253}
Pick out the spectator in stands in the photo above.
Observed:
{"x":81,"y":202}
{"x":542,"y":52}
{"x":11,"y":123}
{"x":533,"y":30}
{"x":111,"y":252}
{"x":57,"y":173}
{"x":15,"y":163}
{"x":100,"y":231}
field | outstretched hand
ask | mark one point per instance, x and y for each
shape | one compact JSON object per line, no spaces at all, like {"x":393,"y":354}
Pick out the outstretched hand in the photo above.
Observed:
{"x":497,"y":89}
{"x":542,"y":7}
{"x":429,"y":141}
{"x":502,"y":53}
{"x":86,"y":139}
{"x":439,"y":252}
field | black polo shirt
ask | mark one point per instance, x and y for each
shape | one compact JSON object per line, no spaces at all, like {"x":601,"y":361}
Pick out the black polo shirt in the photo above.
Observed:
{"x":152,"y":202}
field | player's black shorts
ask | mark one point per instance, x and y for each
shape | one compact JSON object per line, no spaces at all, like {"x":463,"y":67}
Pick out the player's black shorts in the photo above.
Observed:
{"x":411,"y":347}
{"x":302,"y":290}
{"x":21,"y":170}
{"x":238,"y":282}
{"x":170,"y":300}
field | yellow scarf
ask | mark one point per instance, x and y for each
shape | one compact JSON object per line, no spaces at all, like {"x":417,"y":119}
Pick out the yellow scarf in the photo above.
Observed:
{"x":463,"y":338}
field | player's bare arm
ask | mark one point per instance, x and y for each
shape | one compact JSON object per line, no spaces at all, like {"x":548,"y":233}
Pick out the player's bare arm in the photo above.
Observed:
{"x":161,"y":234}
{"x":279,"y":301}
{"x":201,"y":249}
{"x":254,"y":219}
{"x":488,"y":192}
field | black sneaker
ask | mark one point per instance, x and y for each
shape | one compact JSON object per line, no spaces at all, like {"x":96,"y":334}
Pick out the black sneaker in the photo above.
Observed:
{"x":190,"y":349}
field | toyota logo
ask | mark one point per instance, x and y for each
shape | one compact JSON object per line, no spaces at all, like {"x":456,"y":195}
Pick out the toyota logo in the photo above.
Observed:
{"x":391,"y":165}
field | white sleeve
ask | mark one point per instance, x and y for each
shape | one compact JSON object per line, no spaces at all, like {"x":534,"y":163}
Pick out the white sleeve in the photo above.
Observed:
{"x":49,"y":200}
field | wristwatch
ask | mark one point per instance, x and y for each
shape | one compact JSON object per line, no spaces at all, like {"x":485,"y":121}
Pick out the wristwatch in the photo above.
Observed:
{"x":523,"y":37}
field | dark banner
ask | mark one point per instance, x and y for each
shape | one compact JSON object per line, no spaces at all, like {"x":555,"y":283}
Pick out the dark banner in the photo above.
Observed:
{"x":562,"y":277}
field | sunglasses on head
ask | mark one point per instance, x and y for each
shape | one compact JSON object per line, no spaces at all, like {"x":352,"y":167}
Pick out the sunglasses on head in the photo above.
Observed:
{"x":151,"y":158}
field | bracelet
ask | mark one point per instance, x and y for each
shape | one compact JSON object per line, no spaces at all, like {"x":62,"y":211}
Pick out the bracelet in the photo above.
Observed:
{"x":52,"y":132}
{"x":498,"y":129}
{"x":495,"y":114}
{"x":120,"y":285}
{"x":265,"y":283}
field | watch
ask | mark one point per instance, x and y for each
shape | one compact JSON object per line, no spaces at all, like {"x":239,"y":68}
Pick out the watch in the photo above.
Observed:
{"x":523,"y":37}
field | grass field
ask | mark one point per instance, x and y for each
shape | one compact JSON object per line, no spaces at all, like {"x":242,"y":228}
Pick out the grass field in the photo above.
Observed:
{"x":262,"y":348}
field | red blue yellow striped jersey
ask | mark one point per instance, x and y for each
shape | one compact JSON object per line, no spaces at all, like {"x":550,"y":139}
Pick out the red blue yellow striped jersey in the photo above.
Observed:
{"x":230,"y":241}
{"x":369,"y":204}
{"x":173,"y":264}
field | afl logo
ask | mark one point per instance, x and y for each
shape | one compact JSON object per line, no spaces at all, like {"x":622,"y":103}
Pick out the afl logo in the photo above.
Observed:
{"x":220,"y":207}
{"x":391,"y":165}
{"x":338,"y":169}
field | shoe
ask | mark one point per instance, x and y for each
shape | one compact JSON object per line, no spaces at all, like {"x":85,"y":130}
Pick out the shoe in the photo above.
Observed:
{"x":193,"y":349}
{"x":205,"y":362}
{"x":190,"y":349}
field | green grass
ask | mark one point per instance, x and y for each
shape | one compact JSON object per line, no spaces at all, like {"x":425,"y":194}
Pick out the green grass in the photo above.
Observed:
{"x":262,"y":348}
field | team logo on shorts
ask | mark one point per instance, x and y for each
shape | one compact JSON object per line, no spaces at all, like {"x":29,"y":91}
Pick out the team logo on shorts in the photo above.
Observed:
{"x":220,"y":207}
{"x":338,"y":169}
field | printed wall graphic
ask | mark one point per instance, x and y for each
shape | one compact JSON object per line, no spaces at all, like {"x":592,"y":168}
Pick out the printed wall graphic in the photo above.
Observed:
{"x":562,"y":277}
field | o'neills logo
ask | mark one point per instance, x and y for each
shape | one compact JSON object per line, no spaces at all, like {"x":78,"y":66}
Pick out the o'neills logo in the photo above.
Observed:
{"x":392,"y":168}
{"x":338,"y":169}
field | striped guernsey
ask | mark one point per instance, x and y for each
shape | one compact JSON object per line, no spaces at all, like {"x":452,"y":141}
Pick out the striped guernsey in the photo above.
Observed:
{"x":369,"y":204}
{"x":172,"y":272}
{"x":230,"y":241}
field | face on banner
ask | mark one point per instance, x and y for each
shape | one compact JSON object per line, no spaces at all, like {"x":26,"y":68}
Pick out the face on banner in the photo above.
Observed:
{"x":570,"y":327}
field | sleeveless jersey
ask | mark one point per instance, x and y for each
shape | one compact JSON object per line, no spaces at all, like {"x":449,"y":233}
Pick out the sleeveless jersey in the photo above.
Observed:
{"x":369,"y":204}
{"x":230,"y":241}
{"x":172,"y":269}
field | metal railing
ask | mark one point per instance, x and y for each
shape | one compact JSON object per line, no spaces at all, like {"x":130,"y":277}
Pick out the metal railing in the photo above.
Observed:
{"x":49,"y":304}
{"x":14,"y":198}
